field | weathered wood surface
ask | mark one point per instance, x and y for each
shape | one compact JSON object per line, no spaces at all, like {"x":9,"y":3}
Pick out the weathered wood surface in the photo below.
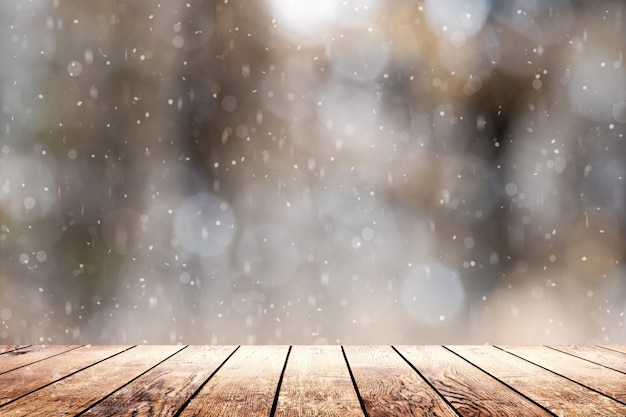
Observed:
{"x":390,"y":387}
{"x":184,"y":381}
{"x":317,"y":383}
{"x":606,"y":381}
{"x":596,"y":354}
{"x":78,"y":391}
{"x":10,"y":348}
{"x":163,"y":390}
{"x":244,"y":386}
{"x":469,"y":389}
{"x":616,"y":348}
{"x":14,"y":359}
{"x":559,"y":395}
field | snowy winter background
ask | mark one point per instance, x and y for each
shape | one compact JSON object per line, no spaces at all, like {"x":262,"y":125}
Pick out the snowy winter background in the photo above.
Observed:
{"x":312,"y":171}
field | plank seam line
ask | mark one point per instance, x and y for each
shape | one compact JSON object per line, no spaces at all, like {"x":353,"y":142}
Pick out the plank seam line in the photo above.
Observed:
{"x":427,"y":381}
{"x":502,"y":382}
{"x":67,"y":376}
{"x":356,"y":388}
{"x":612,"y":350}
{"x":585,"y":359}
{"x":562,"y":376}
{"x":15,"y":348}
{"x":280,"y":383}
{"x":42,"y":359}
{"x":127,"y":383}
{"x":197,"y":391}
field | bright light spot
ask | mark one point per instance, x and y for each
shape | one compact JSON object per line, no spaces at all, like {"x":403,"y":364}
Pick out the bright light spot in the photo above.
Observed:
{"x":41,"y":256}
{"x":178,"y":41}
{"x":29,"y":203}
{"x":510,"y":189}
{"x":304,"y":21}
{"x":74,"y":68}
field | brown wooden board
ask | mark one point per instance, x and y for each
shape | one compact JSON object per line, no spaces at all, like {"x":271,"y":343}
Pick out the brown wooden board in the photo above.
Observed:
{"x":390,"y":387}
{"x":10,"y":348}
{"x":557,"y":394}
{"x":163,"y":390}
{"x":317,"y":383}
{"x":21,"y":381}
{"x":244,"y":386}
{"x":470,"y":390}
{"x":17,"y":358}
{"x":77,"y":392}
{"x":596,"y":354}
{"x":617,"y":348}
{"x":607,"y":381}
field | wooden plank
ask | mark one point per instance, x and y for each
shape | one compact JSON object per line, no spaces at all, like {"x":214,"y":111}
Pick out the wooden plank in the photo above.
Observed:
{"x":617,"y":348}
{"x":607,"y":381}
{"x":10,"y":348}
{"x":390,"y":387}
{"x":77,"y":392}
{"x":17,"y":358}
{"x":163,"y":390}
{"x":559,"y":395}
{"x":244,"y":386}
{"x":470,"y":390}
{"x":596,"y":354}
{"x":19,"y":382}
{"x":317,"y":383}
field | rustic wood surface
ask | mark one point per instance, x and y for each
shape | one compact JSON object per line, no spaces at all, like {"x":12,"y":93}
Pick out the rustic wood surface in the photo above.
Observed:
{"x":10,"y":348}
{"x":469,"y":389}
{"x":390,"y":387}
{"x":21,"y":357}
{"x":163,"y":390}
{"x":617,"y":348}
{"x":317,"y":383}
{"x":596,"y":354}
{"x":597,"y":377}
{"x":313,"y":381}
{"x":71,"y":395}
{"x":559,"y":395}
{"x":245,"y":386}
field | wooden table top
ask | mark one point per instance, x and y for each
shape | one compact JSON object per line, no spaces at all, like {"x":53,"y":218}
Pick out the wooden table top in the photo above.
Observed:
{"x":313,"y":380}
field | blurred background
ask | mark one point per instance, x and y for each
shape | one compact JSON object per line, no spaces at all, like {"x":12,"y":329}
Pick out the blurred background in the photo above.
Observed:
{"x":312,"y":171}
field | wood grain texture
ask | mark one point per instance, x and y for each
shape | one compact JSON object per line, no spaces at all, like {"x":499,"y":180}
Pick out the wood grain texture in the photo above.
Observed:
{"x":471,"y":391}
{"x":317,"y":383}
{"x":77,"y":392}
{"x":390,"y":387}
{"x":244,"y":386}
{"x":596,"y":354}
{"x":617,"y":348}
{"x":163,"y":381}
{"x":557,"y":394}
{"x":9,"y":348}
{"x":21,"y":381}
{"x":607,"y":381}
{"x":17,"y":358}
{"x":163,"y":390}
